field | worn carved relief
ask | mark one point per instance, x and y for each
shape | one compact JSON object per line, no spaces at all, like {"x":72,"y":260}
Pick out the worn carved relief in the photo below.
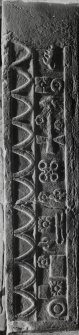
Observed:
{"x":43,"y":219}
{"x":41,"y":241}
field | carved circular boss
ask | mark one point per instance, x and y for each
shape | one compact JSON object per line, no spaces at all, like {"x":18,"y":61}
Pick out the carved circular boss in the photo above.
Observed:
{"x":56,"y":308}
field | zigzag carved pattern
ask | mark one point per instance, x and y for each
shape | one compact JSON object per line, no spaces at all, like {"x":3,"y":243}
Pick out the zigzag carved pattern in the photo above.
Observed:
{"x":26,"y":103}
{"x":29,"y":241}
{"x":32,"y":274}
{"x":21,"y":205}
{"x":29,"y":158}
{"x":28,"y":296}
{"x":24,"y":57}
{"x":28,"y":131}
{"x":30,"y":188}
{"x":28,"y":81}
{"x":29,"y":213}
{"x":19,"y":147}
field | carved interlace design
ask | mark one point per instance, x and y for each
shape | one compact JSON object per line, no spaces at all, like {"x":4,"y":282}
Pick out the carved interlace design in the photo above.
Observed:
{"x":48,"y":171}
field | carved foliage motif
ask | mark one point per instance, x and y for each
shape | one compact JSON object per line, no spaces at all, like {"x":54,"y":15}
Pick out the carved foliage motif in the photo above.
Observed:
{"x":47,"y":58}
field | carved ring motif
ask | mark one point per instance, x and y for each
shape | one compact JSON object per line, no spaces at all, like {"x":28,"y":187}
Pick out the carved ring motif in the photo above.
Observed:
{"x":56,"y":85}
{"x":56,"y":308}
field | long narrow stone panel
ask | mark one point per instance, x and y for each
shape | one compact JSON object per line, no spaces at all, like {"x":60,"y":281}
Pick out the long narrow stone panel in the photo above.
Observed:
{"x":40,"y":112}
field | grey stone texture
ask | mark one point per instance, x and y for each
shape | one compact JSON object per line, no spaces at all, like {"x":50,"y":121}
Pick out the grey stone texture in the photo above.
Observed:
{"x":41,"y":168}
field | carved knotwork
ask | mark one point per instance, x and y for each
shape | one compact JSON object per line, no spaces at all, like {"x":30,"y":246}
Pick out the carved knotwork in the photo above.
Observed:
{"x":48,"y":171}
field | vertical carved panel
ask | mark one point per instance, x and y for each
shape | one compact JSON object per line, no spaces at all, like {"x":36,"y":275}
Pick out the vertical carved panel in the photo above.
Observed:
{"x":41,"y":176}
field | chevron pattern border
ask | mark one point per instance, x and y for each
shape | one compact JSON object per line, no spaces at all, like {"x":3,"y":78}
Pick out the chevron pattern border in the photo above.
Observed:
{"x":41,"y":172}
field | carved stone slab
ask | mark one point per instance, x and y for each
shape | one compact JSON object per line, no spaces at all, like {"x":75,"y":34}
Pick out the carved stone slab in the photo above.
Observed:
{"x":40,"y":104}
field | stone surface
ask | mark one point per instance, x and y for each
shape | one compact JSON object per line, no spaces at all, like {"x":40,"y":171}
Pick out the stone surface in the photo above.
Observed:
{"x":2,"y":283}
{"x":40,"y":107}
